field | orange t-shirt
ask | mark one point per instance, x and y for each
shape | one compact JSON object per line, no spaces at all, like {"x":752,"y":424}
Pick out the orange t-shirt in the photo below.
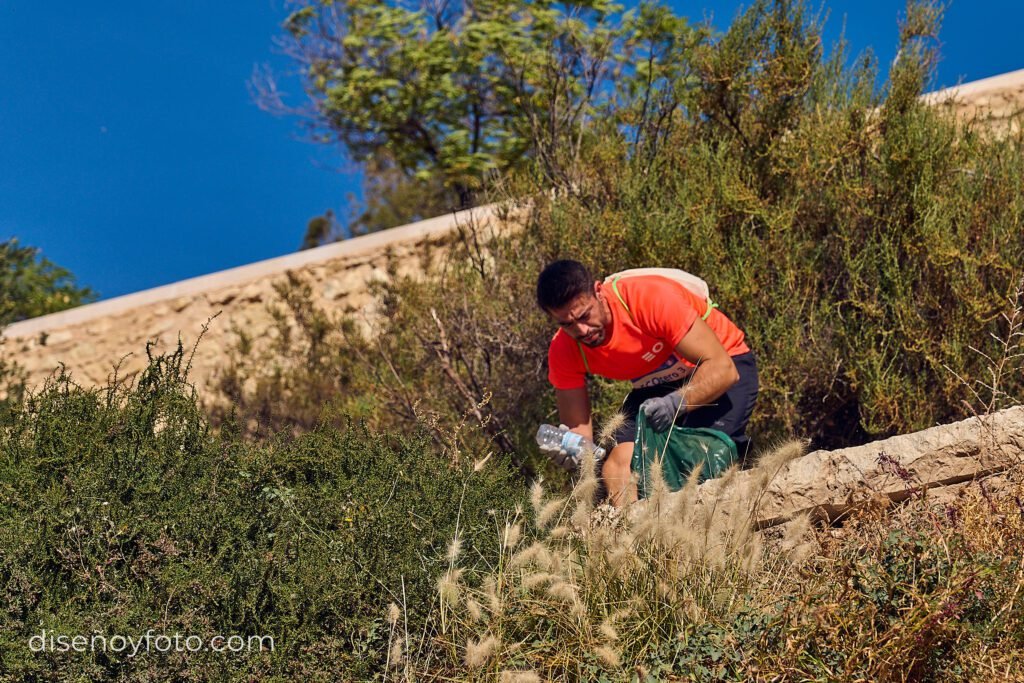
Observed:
{"x":642,"y":342}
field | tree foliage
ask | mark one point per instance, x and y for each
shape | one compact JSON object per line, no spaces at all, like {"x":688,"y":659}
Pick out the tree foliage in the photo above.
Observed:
{"x":31,"y":285}
{"x":449,"y":95}
{"x":390,"y":197}
{"x":320,"y":230}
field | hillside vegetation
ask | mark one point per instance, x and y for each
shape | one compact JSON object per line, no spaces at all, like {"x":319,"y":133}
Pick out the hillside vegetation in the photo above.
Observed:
{"x":371,"y":556}
{"x":866,"y":243}
{"x":122,"y":512}
{"x":375,"y":503}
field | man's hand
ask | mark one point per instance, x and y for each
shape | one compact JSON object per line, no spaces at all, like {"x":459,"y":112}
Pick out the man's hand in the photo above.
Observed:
{"x":661,"y":412}
{"x":563,"y":458}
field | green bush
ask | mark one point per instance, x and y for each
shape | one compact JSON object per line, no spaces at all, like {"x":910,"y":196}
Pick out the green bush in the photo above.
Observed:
{"x":929,"y":592}
{"x":866,"y":242}
{"x":31,"y":285}
{"x":863,"y":242}
{"x":121,"y":511}
{"x":460,"y":352}
{"x":307,"y":365}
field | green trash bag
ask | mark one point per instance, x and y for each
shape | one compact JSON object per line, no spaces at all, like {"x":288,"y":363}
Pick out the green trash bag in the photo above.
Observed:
{"x":687,"y":447}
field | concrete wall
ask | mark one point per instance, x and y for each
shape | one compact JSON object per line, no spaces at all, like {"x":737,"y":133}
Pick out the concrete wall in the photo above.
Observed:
{"x":91,"y":339}
{"x":997,"y":101}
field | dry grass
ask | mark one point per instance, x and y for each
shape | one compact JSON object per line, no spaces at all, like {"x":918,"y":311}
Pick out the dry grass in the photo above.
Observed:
{"x":932,"y":589}
{"x":579,"y":591}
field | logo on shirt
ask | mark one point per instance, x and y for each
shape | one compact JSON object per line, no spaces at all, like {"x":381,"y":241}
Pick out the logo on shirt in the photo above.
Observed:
{"x":650,"y":355}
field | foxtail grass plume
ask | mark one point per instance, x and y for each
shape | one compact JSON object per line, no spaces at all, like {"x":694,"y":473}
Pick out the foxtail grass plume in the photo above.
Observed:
{"x":454,"y":548}
{"x":560,"y":532}
{"x":607,"y":435}
{"x":658,"y":494}
{"x":770,"y":463}
{"x":534,"y":580}
{"x":562,"y":591}
{"x":799,"y":541}
{"x":479,"y":464}
{"x":528,"y":555}
{"x":396,"y":653}
{"x":490,"y":590}
{"x":537,"y":496}
{"x":727,"y":480}
{"x":549,"y":511}
{"x":608,"y":656}
{"x":624,"y":613}
{"x":584,"y":493}
{"x":448,"y":586}
{"x":753,"y":547}
{"x":620,"y":559}
{"x":513,"y":532}
{"x":479,"y":652}
{"x":608,"y":630}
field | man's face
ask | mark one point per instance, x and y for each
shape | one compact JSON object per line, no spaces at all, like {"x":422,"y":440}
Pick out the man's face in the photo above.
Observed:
{"x":587,"y":318}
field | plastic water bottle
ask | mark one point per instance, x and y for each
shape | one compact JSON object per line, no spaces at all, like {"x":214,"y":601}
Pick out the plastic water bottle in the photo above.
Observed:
{"x":554,"y":439}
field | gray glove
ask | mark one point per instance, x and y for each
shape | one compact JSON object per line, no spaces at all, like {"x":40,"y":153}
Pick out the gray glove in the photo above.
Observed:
{"x":663,"y":411}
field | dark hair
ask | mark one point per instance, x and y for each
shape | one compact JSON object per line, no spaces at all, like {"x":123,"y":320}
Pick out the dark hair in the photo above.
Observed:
{"x":561,"y":282}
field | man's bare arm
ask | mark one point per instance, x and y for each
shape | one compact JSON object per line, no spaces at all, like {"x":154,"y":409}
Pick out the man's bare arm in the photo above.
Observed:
{"x":574,"y":410}
{"x":715,"y":372}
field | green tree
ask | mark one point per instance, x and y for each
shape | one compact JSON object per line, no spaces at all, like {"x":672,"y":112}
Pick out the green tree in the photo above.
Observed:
{"x":320,"y":230}
{"x":393,"y":196}
{"x":31,"y":285}
{"x":441,"y":99}
{"x":865,"y":241}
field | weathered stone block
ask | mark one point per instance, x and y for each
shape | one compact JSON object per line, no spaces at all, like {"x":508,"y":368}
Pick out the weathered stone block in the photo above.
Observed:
{"x":828,"y":484}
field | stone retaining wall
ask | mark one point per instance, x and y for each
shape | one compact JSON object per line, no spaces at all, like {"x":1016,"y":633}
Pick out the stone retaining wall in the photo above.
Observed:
{"x":91,"y":339}
{"x":998,"y":102}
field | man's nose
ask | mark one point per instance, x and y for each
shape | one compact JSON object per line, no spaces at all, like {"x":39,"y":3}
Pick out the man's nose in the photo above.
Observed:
{"x":581,"y":329}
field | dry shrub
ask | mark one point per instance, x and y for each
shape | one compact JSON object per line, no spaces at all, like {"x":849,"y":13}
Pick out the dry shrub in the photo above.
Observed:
{"x":929,"y":591}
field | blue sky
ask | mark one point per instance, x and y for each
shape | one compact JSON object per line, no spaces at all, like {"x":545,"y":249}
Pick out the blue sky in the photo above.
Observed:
{"x":133,"y":155}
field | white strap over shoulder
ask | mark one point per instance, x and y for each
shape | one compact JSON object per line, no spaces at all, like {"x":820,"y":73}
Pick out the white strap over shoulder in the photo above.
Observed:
{"x":693,"y":283}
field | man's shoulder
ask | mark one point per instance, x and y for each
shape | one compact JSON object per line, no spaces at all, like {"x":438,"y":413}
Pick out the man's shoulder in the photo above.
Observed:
{"x":659,"y":306}
{"x":566,"y":369}
{"x":651,"y":289}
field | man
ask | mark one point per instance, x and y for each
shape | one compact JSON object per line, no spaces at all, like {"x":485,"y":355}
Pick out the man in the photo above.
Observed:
{"x":688,"y":363}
